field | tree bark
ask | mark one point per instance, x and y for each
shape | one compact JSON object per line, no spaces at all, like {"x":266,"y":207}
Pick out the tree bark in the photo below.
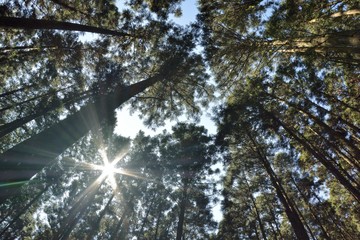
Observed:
{"x":290,"y":210}
{"x":257,"y":212}
{"x":27,"y":206}
{"x":98,"y":220}
{"x":338,"y":14}
{"x":11,"y":126}
{"x":27,"y":158}
{"x":5,"y":94}
{"x":317,"y":219}
{"x":327,"y":164}
{"x":180,"y":225}
{"x":28,"y":23}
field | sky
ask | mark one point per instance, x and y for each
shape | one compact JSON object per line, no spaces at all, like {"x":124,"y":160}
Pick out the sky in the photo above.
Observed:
{"x":128,"y":125}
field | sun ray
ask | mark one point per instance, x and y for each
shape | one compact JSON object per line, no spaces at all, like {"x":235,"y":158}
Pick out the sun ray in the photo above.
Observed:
{"x":13,"y":183}
{"x":119,"y":156}
{"x":104,"y":156}
{"x":109,"y":170}
{"x":123,"y":171}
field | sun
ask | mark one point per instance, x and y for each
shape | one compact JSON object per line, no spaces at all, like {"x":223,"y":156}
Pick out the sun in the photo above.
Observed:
{"x":108,"y":169}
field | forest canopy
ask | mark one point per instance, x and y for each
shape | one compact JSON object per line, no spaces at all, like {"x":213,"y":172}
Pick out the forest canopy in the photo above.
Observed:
{"x":283,"y":77}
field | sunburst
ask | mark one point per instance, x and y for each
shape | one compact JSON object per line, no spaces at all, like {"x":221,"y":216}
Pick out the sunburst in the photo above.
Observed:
{"x":109,"y":168}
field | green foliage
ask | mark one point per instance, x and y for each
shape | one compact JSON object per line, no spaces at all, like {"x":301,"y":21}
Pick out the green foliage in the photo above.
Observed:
{"x":73,"y":200}
{"x":288,"y":128}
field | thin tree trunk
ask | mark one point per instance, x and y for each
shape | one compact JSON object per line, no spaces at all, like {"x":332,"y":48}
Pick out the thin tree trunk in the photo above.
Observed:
{"x":11,"y":126}
{"x":98,"y":220}
{"x":262,"y":229}
{"x":333,"y":113}
{"x":344,"y":155}
{"x":334,"y":99}
{"x":304,"y":221}
{"x":32,"y":48}
{"x":335,"y":221}
{"x":343,"y":42}
{"x":326,"y":127}
{"x":49,"y":94}
{"x":28,"y":23}
{"x":127,"y":208}
{"x":157,"y":224}
{"x":14,"y":219}
{"x":180,"y":225}
{"x":326,"y":236}
{"x":327,"y":164}
{"x":79,"y":208}
{"x":256,"y":232}
{"x":275,"y":222}
{"x":145,"y":220}
{"x":5,"y":94}
{"x":338,"y":14}
{"x":290,"y":210}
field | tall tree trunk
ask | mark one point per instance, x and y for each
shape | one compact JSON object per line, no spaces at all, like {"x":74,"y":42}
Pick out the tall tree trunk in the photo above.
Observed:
{"x":327,"y":164}
{"x":336,"y":101}
{"x":79,"y":208}
{"x":262,"y":229}
{"x":338,"y":14}
{"x":275,"y":222}
{"x":22,"y":211}
{"x":128,"y":207}
{"x":145,"y":220}
{"x":5,"y":94}
{"x":317,"y":219}
{"x":334,"y":134}
{"x":290,"y":210}
{"x":28,"y":23}
{"x":157,"y":223}
{"x":11,"y":126}
{"x":96,"y":226}
{"x":180,"y":225}
{"x":309,"y":102}
{"x":27,"y":158}
{"x":343,"y":42}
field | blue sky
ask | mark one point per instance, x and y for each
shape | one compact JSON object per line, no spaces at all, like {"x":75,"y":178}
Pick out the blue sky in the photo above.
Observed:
{"x":129,"y":125}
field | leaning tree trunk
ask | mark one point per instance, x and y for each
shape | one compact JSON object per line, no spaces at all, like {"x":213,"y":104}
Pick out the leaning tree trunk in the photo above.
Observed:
{"x":340,"y":42}
{"x":322,"y":159}
{"x":257,"y":212}
{"x":22,"y":211}
{"x":290,"y":210}
{"x":24,"y":160}
{"x":311,"y":210}
{"x":79,"y":209}
{"x":28,"y":23}
{"x":55,"y":104}
{"x":96,"y":226}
